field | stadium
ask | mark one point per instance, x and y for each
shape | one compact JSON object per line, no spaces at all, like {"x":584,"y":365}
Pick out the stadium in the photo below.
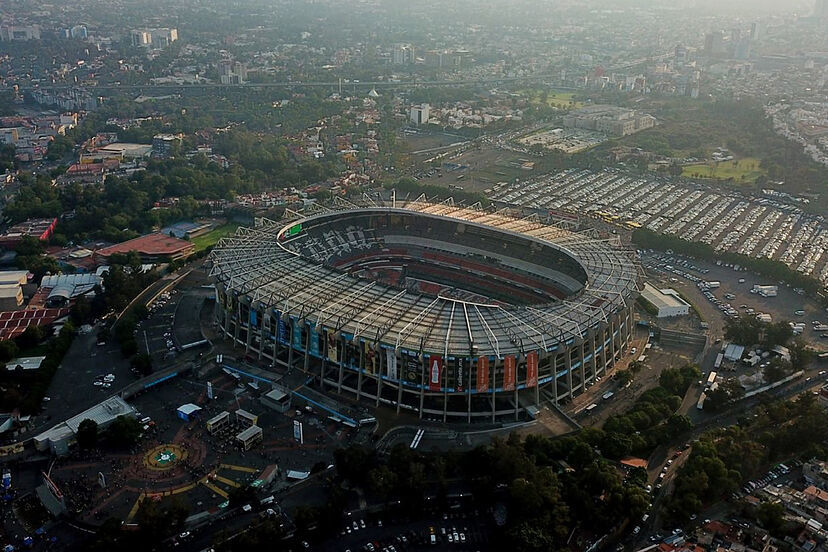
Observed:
{"x":455,"y":313}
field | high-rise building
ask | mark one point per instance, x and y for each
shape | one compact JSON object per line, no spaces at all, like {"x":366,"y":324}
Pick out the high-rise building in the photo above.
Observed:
{"x":156,"y":38}
{"x":161,"y":38}
{"x":680,"y":54}
{"x":403,"y":54}
{"x":11,"y":32}
{"x":78,"y":31}
{"x":232,"y":72}
{"x":714,"y":43}
{"x":754,"y":31}
{"x":419,"y":114}
{"x":821,"y":9}
{"x":140,"y":38}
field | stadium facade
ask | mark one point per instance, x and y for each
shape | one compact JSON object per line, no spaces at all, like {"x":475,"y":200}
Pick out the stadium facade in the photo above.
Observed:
{"x":451,"y":312}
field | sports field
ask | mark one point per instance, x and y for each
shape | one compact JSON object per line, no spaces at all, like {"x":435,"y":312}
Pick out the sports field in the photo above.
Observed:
{"x":740,"y":170}
{"x":212,"y":237}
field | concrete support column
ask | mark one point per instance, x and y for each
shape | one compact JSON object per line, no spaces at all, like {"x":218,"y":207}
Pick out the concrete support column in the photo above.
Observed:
{"x":568,"y":367}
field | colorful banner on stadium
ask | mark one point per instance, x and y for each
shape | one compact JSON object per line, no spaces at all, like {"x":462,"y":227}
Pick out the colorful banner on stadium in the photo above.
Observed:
{"x":532,"y":369}
{"x":391,"y":363}
{"x":435,"y":372}
{"x":282,"y":332}
{"x":296,"y":333}
{"x":509,"y":373}
{"x":413,"y":368}
{"x":482,"y":374}
{"x":460,"y":373}
{"x":370,"y":358}
{"x":333,"y":352}
{"x":253,"y":319}
{"x":313,"y":341}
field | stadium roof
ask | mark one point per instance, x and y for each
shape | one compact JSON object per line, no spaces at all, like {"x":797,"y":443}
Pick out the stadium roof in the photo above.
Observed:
{"x":254,"y":264}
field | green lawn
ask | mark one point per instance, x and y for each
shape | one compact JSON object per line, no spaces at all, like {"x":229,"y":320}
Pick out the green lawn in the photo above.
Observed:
{"x":740,"y":170}
{"x":212,"y":237}
{"x":561,"y":100}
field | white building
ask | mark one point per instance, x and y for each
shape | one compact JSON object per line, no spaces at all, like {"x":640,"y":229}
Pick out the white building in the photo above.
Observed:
{"x":668,"y":302}
{"x":419,"y":114}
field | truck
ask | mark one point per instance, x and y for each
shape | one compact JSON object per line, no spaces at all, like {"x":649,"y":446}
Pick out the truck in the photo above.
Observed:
{"x":765,"y":291}
{"x":711,"y":377}
{"x":718,"y":363}
{"x":713,"y":284}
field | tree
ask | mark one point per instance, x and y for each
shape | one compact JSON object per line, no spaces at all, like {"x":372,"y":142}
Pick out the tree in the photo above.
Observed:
{"x":87,"y":435}
{"x":123,"y":432}
{"x":8,"y":350}
{"x":624,"y":377}
{"x":771,"y":516}
{"x":142,"y":362}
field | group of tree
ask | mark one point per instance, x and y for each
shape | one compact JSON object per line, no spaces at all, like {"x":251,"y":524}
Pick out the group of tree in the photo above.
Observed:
{"x":545,"y":484}
{"x":652,"y":419}
{"x":723,"y":458}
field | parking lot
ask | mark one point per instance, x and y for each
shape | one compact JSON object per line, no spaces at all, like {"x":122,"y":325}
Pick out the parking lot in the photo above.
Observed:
{"x":457,"y":530}
{"x":725,"y":220}
{"x":732,"y":297}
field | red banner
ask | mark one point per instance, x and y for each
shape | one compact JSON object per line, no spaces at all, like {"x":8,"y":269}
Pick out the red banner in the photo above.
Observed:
{"x":435,"y":372}
{"x":532,"y":369}
{"x":482,"y":374}
{"x":509,"y":373}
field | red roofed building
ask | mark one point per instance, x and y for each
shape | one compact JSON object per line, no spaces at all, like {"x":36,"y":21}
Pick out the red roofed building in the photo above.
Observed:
{"x":14,"y":323}
{"x":41,"y":229}
{"x":152,"y":248}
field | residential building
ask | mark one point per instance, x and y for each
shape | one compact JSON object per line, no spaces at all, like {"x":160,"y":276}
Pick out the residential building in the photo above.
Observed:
{"x":403,"y":54}
{"x":615,"y":121}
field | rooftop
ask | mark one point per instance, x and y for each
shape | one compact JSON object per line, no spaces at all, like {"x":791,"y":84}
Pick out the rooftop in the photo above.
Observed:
{"x":663,"y":298}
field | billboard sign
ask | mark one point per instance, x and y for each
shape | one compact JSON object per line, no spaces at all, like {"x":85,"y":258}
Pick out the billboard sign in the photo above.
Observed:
{"x":509,"y":373}
{"x":391,"y":363}
{"x":370,"y":356}
{"x":532,"y":369}
{"x":482,"y":374}
{"x":298,"y":433}
{"x":435,"y":372}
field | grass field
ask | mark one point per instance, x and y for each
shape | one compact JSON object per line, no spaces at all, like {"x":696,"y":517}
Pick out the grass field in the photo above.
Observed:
{"x":212,"y":237}
{"x":740,"y":170}
{"x":561,"y":100}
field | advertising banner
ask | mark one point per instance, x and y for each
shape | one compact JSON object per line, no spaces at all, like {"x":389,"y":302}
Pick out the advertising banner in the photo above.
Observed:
{"x":532,"y":369}
{"x":413,"y":368}
{"x":391,"y":363}
{"x":333,"y":345}
{"x":253,"y":318}
{"x":298,"y":433}
{"x":435,"y":372}
{"x":509,"y":373}
{"x":282,"y":332}
{"x":460,"y":373}
{"x":297,"y":335}
{"x":482,"y":374}
{"x":313,"y":341}
{"x":370,"y":358}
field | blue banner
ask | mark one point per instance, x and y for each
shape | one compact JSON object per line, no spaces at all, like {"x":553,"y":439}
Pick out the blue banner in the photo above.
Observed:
{"x":313,"y":338}
{"x":252,"y":317}
{"x":297,"y":335}
{"x":282,"y":332}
